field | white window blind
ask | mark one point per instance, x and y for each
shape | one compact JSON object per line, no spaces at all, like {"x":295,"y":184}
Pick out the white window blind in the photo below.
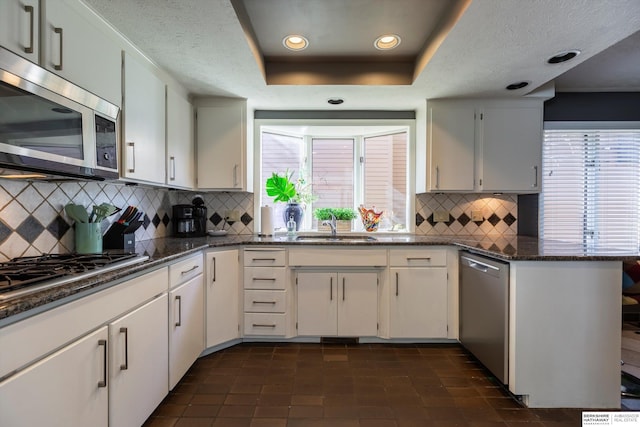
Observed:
{"x":591,"y":185}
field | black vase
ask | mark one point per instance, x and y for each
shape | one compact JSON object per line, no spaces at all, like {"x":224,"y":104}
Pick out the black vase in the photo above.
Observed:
{"x":295,"y":210}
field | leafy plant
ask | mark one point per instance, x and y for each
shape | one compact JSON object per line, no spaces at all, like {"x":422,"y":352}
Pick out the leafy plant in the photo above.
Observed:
{"x":341,"y":214}
{"x":280,"y":187}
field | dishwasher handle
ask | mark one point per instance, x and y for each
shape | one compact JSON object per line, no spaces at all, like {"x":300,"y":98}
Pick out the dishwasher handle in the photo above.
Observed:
{"x":478,"y":265}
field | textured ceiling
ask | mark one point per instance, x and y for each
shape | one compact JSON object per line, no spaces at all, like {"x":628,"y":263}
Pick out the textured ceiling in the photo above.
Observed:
{"x":492,"y":44}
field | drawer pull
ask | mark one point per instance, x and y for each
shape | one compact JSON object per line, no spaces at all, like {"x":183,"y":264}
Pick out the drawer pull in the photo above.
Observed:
{"x":263,"y":325}
{"x":103,"y":382}
{"x":264,"y":259}
{"x":264,"y":302}
{"x":268,"y":279}
{"x":419,"y":259}
{"x":125,"y":365}
{"x":195,"y":267}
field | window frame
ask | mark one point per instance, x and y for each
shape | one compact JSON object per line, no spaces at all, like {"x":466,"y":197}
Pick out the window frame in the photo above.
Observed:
{"x":375,"y":125}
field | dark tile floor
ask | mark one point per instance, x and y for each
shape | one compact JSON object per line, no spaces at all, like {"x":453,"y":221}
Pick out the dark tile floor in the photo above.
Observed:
{"x":338,"y":385}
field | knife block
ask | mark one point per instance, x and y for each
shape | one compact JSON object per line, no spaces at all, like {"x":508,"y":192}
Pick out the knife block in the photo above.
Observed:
{"x":121,"y":236}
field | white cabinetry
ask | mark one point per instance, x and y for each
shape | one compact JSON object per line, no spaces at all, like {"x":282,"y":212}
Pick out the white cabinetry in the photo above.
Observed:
{"x":138,"y":363}
{"x":484,"y":145}
{"x":337,"y":304}
{"x":186,"y":316}
{"x":66,"y":389}
{"x":144,"y":153}
{"x":418,"y":293}
{"x":222,"y":297}
{"x":76,"y":44}
{"x":221,"y":135}
{"x":180,"y":143}
{"x":19,"y":27}
{"x":266,"y":293}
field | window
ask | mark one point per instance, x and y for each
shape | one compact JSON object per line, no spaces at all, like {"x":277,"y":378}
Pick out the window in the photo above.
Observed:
{"x":344,"y":167}
{"x":591,"y":185}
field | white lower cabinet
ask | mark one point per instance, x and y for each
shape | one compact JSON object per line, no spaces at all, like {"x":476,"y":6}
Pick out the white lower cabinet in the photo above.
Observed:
{"x":337,"y":303}
{"x":418,"y":307}
{"x":66,"y":389}
{"x":418,"y":288}
{"x":138,"y":363}
{"x":222,"y":296}
{"x":186,"y":327}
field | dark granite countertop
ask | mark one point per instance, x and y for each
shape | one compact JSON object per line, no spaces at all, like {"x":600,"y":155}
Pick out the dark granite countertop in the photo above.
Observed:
{"x":162,"y":251}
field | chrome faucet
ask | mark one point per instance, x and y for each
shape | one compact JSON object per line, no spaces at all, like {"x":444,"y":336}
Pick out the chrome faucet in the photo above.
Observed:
{"x":331,"y":223}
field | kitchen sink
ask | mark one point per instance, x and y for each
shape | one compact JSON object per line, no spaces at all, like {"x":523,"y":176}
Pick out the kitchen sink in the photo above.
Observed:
{"x":343,"y":238}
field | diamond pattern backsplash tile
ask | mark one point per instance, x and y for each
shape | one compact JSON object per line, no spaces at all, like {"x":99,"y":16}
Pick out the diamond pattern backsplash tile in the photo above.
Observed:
{"x":498,"y":214}
{"x":33,"y":221}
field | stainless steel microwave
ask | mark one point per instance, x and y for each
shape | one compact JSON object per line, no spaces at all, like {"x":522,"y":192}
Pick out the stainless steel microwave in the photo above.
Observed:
{"x":51,"y":127}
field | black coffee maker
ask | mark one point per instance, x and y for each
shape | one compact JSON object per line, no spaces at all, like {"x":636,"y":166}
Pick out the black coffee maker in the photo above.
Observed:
{"x":190,"y":220}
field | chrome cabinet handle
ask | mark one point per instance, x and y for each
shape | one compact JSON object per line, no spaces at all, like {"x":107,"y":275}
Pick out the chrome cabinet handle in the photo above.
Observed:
{"x":179,"y":300}
{"x":264,"y":302}
{"x":195,"y":267}
{"x":397,"y":281}
{"x":103,"y":382}
{"x":263,"y":325}
{"x":172,"y":162}
{"x":343,"y":279}
{"x":264,"y":259}
{"x":535,"y":177}
{"x":125,"y":365}
{"x":58,"y":30}
{"x":330,"y":288}
{"x":235,"y":175}
{"x":437,"y":177}
{"x":419,"y":259}
{"x":213,"y":268}
{"x":132,"y":145}
{"x":29,"y":10}
{"x":263,"y":279}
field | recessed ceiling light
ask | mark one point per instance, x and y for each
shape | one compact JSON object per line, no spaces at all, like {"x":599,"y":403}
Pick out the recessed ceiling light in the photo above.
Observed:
{"x":295,"y":42}
{"x":387,"y":41}
{"x":563,"y":56}
{"x":335,"y":101}
{"x":518,"y":85}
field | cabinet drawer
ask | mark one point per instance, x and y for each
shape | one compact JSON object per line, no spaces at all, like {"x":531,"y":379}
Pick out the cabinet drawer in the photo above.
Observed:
{"x":264,"y":258}
{"x":265,"y":278}
{"x":185,"y":269}
{"x":264,"y":323}
{"x":265,"y":301}
{"x":418,"y":258}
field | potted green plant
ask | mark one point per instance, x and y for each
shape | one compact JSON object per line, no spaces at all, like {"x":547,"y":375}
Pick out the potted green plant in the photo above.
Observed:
{"x":296,"y":194}
{"x":343,"y":216}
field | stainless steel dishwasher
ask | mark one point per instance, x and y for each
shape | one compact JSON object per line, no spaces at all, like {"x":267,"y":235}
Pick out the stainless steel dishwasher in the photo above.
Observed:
{"x":484,"y":311}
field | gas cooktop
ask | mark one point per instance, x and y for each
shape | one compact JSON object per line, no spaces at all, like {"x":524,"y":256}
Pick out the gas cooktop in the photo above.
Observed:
{"x":26,"y":275}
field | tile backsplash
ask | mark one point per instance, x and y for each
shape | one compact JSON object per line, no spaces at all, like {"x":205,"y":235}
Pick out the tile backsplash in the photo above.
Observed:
{"x":499,"y":214}
{"x":33,"y":221}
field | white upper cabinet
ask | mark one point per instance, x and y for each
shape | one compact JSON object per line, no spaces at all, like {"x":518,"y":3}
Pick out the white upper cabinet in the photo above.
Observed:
{"x":484,"y":145}
{"x":76,"y":46}
{"x":512,"y":148}
{"x":65,"y":37}
{"x":221,"y":135}
{"x":19,"y":27}
{"x":143,"y":124}
{"x":180,"y":144}
{"x":451,"y":130}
